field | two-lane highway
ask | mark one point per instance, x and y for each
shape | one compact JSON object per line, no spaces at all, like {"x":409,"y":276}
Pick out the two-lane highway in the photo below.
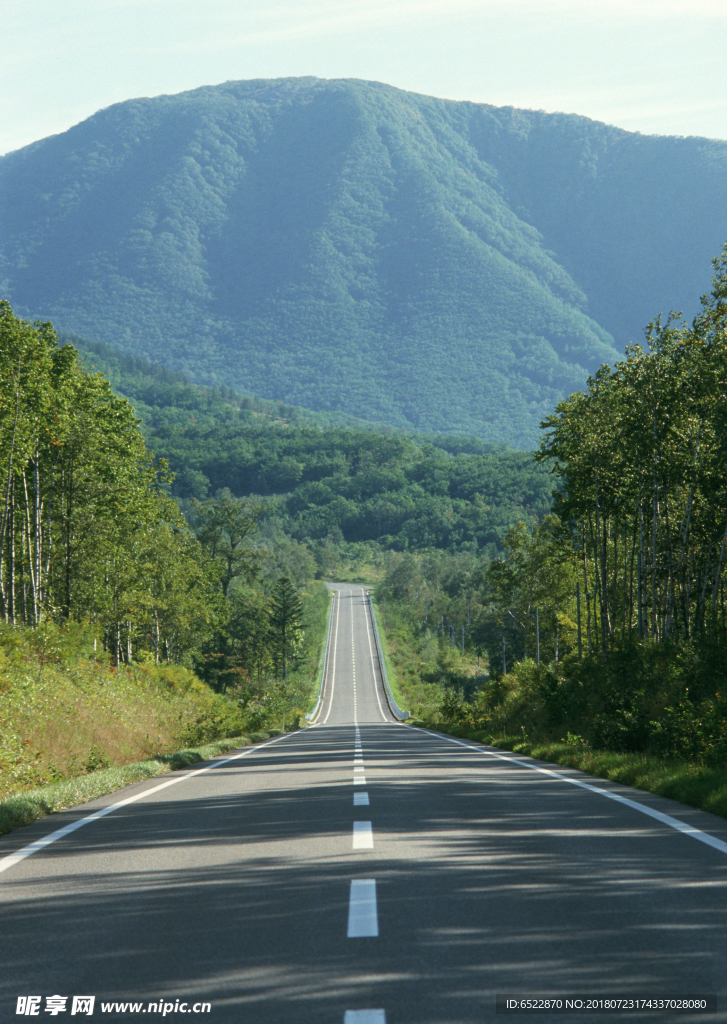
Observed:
{"x":367,"y":872}
{"x":353,"y":689}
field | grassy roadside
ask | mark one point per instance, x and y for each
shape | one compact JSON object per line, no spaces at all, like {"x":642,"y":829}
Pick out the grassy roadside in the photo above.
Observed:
{"x":24,"y":808}
{"x":425,"y":664}
{"x":388,"y":661}
{"x":703,"y":788}
{"x":316,"y":678}
{"x":65,"y":712}
{"x":431,"y":677}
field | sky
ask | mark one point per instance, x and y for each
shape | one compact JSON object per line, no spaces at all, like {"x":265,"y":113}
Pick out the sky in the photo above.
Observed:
{"x":653,"y":66}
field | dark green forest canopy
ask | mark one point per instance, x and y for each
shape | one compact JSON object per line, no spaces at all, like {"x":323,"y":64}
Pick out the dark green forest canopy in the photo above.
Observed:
{"x":351,"y":483}
{"x":348,"y":247}
{"x":163,"y":397}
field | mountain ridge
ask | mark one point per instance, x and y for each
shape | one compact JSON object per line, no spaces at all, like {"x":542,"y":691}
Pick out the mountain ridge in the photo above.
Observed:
{"x":436,"y":264}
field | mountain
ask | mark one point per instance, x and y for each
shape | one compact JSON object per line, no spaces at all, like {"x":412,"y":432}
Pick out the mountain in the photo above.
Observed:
{"x":327,"y":478}
{"x":164,"y":398}
{"x":344,"y":245}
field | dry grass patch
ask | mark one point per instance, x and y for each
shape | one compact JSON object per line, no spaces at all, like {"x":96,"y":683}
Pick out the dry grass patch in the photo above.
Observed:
{"x":65,"y":716}
{"x":29,"y":806}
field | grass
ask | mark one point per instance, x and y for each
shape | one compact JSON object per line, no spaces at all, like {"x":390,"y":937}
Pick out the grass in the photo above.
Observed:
{"x":321,"y":623}
{"x":424,"y":669}
{"x":24,"y":808}
{"x":703,"y":788}
{"x":64,"y":713}
{"x":390,"y":670}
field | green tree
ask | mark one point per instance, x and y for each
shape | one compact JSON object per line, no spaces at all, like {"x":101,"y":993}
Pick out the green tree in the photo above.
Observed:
{"x":538,"y":574}
{"x":285,"y":618}
{"x":86,"y":532}
{"x":223,"y":525}
{"x":32,"y":424}
{"x":641,"y":458}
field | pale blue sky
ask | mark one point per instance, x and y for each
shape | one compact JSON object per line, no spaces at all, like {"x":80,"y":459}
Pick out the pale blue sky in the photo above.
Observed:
{"x":654,"y":66}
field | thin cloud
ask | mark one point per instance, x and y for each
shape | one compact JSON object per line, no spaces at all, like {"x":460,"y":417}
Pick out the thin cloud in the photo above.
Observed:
{"x":375,"y":10}
{"x":328,"y":8}
{"x":267,"y":22}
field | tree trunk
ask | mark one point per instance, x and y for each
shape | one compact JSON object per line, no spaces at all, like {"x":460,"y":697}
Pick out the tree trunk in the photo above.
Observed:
{"x":31,"y":557}
{"x":587,"y":595}
{"x":38,"y":527}
{"x":12,"y":553}
{"x":7,"y":599}
{"x":654,"y":619}
{"x":156,"y":637}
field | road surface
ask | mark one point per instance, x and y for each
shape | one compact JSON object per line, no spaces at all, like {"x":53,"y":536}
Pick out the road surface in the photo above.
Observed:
{"x":365,"y":872}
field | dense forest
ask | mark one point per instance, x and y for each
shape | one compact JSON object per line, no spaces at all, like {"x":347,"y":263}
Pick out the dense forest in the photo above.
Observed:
{"x":326,"y":483}
{"x":89,"y":537}
{"x":346,"y":246}
{"x":606,"y":619}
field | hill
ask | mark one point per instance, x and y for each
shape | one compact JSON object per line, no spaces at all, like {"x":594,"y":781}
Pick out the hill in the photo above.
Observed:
{"x":327,"y":482}
{"x":163,"y":397}
{"x":346,"y":246}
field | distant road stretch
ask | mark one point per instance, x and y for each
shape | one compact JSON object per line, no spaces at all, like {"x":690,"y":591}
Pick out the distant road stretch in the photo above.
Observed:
{"x":361,"y":871}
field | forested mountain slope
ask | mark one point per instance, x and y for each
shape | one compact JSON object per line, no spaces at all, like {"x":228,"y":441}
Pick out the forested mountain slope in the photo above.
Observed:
{"x":325,"y":482}
{"x":343,"y":245}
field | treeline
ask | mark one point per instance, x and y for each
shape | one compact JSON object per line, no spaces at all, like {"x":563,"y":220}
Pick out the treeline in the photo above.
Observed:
{"x":494,"y":611}
{"x":634,"y":553}
{"x":89,"y":534}
{"x":405,"y":493}
{"x":265,"y":640}
{"x":642,"y":459}
{"x":401,"y":491}
{"x":343,"y":483}
{"x":430,"y":605}
{"x":606,"y":620}
{"x":86,"y":530}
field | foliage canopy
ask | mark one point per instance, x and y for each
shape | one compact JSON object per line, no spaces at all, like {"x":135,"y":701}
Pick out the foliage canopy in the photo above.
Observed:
{"x":346,"y":246}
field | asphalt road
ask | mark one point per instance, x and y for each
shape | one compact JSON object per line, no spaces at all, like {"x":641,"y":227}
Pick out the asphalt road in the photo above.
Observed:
{"x":365,"y":872}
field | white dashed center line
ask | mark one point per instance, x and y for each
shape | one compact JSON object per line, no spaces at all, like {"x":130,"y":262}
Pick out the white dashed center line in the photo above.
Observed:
{"x":363,"y":918}
{"x":363,"y":835}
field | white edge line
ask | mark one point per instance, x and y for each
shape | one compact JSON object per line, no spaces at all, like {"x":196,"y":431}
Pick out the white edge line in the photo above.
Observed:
{"x":322,"y":688}
{"x":665,"y":819}
{"x":27,"y":851}
{"x":371,"y":655}
{"x":333,"y":667}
